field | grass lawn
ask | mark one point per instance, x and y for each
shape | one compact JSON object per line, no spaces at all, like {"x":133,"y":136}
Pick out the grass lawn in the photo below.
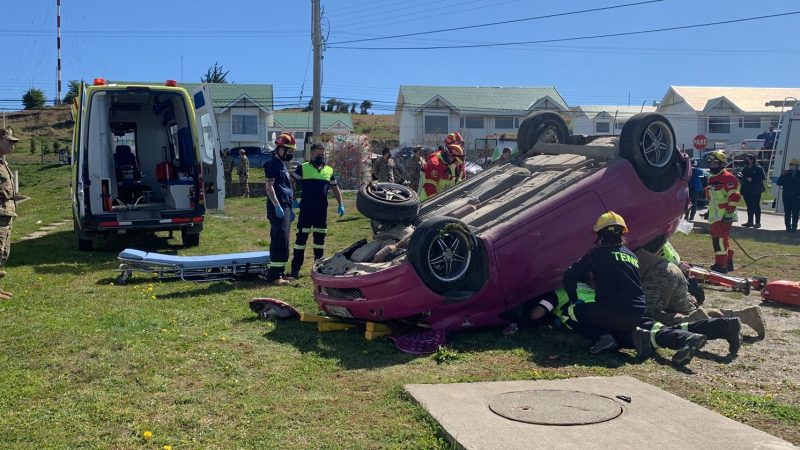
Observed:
{"x":89,"y":364}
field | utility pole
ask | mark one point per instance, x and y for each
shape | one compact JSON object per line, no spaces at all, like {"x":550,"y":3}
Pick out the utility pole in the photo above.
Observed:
{"x":316,"y":40}
{"x":58,"y":46}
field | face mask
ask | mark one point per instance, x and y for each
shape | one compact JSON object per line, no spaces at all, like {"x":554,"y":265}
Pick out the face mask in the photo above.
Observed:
{"x":715,"y":170}
{"x":288,"y":156}
{"x":319,"y":160}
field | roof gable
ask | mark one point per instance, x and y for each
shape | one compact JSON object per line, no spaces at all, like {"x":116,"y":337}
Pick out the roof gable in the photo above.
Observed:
{"x":480,"y":98}
{"x":302,"y":120}
{"x":745,"y":99}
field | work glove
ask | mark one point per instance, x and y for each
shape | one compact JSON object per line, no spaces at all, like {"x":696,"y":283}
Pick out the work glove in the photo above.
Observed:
{"x":295,"y":204}
{"x":728,"y":217}
{"x":279,"y":212}
{"x":704,"y":215}
{"x":341,"y":210}
{"x":291,"y":215}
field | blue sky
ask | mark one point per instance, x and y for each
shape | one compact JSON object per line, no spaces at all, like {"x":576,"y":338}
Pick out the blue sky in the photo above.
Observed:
{"x":262,"y":41}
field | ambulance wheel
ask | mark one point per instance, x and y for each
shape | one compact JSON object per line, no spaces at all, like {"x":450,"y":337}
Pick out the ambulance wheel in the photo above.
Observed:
{"x":387,"y":202}
{"x":190,"y":239}
{"x":542,"y":126}
{"x":85,"y":245}
{"x":448,"y":257}
{"x":648,"y":141}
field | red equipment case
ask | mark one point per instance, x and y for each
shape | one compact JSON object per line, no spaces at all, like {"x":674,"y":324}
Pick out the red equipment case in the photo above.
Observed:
{"x":782,"y":291}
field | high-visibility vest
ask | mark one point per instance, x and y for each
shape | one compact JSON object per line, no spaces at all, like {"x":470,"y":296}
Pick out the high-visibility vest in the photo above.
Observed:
{"x":722,"y":193}
{"x":585,"y":295}
{"x":669,"y":253}
{"x":438,"y":176}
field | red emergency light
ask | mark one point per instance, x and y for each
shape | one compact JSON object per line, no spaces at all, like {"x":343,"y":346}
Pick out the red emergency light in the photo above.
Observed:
{"x":172,"y":83}
{"x":99,"y":82}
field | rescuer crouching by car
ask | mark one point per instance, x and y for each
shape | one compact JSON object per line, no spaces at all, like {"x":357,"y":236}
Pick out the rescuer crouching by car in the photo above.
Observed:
{"x":443,"y":169}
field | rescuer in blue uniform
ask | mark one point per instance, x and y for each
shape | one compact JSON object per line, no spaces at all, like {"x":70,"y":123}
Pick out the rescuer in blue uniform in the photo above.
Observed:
{"x":315,"y":178}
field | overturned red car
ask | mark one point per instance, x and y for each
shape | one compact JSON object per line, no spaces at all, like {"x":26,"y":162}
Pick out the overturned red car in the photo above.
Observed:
{"x":504,"y":237}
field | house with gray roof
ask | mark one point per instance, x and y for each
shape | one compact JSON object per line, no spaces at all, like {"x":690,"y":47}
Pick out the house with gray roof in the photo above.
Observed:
{"x":726,"y":116}
{"x":425,"y":114}
{"x":603,"y":120}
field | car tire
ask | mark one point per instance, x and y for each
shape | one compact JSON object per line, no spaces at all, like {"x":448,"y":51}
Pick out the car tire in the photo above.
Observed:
{"x":648,"y":141}
{"x":189,"y":239}
{"x":387,"y":202}
{"x":540,"y":125}
{"x":448,"y":257}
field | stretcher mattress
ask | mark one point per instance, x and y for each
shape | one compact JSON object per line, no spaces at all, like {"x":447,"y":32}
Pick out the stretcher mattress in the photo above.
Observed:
{"x":189,"y":262}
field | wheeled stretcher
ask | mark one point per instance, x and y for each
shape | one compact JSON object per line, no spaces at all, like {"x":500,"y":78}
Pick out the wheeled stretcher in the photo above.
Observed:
{"x":191,"y":268}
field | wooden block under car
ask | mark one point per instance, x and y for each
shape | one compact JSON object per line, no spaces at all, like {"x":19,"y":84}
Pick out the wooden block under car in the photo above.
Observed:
{"x":306,"y":317}
{"x":334,"y":326}
{"x":375,"y":326}
{"x":372,"y":335}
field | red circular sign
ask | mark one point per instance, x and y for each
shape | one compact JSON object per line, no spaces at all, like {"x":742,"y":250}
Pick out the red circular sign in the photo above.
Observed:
{"x":699,"y":142}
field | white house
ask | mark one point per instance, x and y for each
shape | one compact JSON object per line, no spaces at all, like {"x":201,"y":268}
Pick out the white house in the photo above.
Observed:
{"x":425,"y":114}
{"x":300,"y":123}
{"x":604,"y":120}
{"x":243,"y":112}
{"x":726,"y":116}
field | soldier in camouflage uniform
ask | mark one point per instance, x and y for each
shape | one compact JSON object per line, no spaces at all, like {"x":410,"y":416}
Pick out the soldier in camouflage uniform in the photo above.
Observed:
{"x":415,"y":167}
{"x":227,"y":166}
{"x":667,"y":298}
{"x":8,"y":204}
{"x":383,"y":168}
{"x":244,"y":167}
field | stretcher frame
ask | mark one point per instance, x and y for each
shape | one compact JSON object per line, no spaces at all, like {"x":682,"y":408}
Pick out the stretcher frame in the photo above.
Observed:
{"x":191,"y":268}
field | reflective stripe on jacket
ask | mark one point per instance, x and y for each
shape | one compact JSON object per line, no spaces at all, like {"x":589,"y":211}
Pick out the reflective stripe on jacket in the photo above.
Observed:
{"x":722,"y":193}
{"x":437,"y":176}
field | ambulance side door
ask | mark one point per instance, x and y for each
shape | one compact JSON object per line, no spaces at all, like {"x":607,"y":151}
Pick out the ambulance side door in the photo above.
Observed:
{"x":210,"y":148}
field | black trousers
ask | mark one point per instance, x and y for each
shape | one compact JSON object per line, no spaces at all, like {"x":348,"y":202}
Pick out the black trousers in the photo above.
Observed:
{"x":278,"y":241}
{"x":676,"y":336}
{"x":753,"y":201}
{"x":791,"y":207}
{"x":310,"y":221}
{"x":693,"y":197}
{"x":594,"y":320}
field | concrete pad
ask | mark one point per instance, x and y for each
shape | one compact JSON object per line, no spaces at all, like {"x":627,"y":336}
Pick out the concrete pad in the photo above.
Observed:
{"x":653,"y":419}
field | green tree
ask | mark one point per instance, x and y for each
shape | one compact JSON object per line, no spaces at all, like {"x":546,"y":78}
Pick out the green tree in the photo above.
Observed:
{"x":33,"y":99}
{"x":353,"y":108}
{"x":332,"y":103}
{"x":72,"y":91}
{"x":310,"y":105}
{"x":365,"y":106}
{"x":215,"y":74}
{"x":342,"y":107}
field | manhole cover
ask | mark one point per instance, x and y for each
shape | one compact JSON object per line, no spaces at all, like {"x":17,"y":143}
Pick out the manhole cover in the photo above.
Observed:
{"x":554,"y":407}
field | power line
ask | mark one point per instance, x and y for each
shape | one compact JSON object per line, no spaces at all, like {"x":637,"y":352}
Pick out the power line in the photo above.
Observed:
{"x":576,"y":38}
{"x":503,"y":22}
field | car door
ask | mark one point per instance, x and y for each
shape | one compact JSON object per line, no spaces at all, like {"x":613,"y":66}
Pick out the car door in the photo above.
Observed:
{"x":78,"y":156}
{"x":213,"y":175}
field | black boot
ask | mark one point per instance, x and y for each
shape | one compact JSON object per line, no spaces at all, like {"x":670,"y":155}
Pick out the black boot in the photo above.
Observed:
{"x":729,"y":267}
{"x":685,"y":354}
{"x":641,"y":343}
{"x":696,"y":290}
{"x":685,"y":342}
{"x":718,"y":268}
{"x":728,"y":328}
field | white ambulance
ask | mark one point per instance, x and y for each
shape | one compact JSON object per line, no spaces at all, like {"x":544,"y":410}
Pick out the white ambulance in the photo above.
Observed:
{"x":144,"y":157}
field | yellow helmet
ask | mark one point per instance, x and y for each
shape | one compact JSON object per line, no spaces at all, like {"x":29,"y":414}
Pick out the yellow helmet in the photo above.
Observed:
{"x":610,"y":219}
{"x":793,"y":162}
{"x":717,"y":155}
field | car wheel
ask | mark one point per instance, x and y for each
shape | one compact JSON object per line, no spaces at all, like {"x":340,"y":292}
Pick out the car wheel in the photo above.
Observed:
{"x":647,"y":140}
{"x":190,"y":239}
{"x":447,"y":256}
{"x":542,"y":126}
{"x":387,"y":202}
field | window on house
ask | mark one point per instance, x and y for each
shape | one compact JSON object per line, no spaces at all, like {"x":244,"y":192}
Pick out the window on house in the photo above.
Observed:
{"x":436,"y":124}
{"x":602,"y":127}
{"x":472,"y":122}
{"x":299,"y":134}
{"x":719,"y":124}
{"x":773,"y":122}
{"x":244,"y":124}
{"x":750,"y":122}
{"x":619,"y":125}
{"x":504,"y":122}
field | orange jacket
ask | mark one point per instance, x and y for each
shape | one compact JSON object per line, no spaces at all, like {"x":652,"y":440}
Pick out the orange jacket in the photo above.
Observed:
{"x":722,"y":193}
{"x":438,"y":176}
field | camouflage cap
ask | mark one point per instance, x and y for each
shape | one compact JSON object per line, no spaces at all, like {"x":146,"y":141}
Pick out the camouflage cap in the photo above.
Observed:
{"x":8,"y":134}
